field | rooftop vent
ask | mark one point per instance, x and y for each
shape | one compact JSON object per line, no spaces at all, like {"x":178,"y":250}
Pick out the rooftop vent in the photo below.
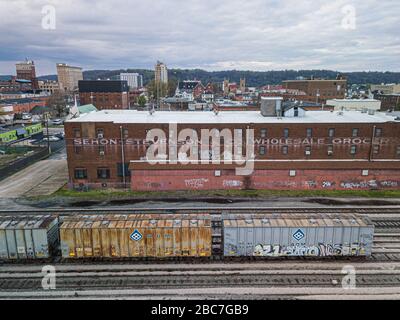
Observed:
{"x":265,"y":220}
{"x":371,"y":112}
{"x":364,"y":110}
{"x":151,"y":111}
{"x":340,"y":113}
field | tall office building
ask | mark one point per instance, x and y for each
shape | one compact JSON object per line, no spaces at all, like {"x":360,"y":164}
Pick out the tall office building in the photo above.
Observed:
{"x":161,"y":73}
{"x":134,"y":80}
{"x":68,"y":76}
{"x":26,"y":71}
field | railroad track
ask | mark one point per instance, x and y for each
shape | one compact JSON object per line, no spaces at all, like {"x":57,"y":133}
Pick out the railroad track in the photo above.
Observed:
{"x":115,"y":280}
{"x":365,"y":210}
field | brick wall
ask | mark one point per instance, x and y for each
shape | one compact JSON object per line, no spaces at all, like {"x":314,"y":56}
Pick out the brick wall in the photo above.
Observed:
{"x":86,"y":150}
{"x":153,"y":180}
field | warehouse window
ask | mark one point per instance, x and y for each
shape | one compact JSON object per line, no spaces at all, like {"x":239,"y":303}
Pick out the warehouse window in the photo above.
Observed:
{"x":77,"y":133}
{"x":330,"y":150}
{"x":102,"y":150}
{"x":77,"y":149}
{"x":355,"y":132}
{"x":263,"y":133}
{"x":80,"y":173}
{"x":307,"y":150}
{"x":103,"y":173}
{"x":309,"y":132}
{"x":120,"y":168}
{"x":376,"y":148}
{"x":100,"y":133}
{"x":331,"y":132}
{"x":353,"y":149}
{"x":286,"y":132}
{"x":125,"y":133}
{"x":262,"y":150}
{"x":285,"y":150}
{"x":378,"y":132}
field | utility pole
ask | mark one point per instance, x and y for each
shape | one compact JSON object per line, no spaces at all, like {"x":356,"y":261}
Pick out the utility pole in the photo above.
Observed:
{"x":47,"y":130}
{"x":123,"y":157}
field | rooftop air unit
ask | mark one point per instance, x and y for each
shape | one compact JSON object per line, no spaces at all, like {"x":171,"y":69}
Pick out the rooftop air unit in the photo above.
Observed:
{"x":271,"y":106}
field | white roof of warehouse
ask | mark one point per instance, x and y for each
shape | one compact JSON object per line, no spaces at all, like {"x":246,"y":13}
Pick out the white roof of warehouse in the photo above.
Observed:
{"x":354,"y":100}
{"x":133,"y":116}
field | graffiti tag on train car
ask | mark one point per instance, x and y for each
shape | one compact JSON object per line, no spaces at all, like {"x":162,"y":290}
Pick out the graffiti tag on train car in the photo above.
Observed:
{"x":320,"y":250}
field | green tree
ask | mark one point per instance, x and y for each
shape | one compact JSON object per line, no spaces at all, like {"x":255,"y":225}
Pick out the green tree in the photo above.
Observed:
{"x":142,"y":101}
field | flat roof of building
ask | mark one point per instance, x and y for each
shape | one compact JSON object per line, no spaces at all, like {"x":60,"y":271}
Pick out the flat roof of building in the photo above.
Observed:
{"x":354,"y":100}
{"x":134,"y":116}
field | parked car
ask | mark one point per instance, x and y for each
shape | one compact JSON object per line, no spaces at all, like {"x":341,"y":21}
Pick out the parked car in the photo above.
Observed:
{"x":60,"y":135}
{"x":57,"y":122}
{"x":26,"y":116}
{"x":51,"y":138}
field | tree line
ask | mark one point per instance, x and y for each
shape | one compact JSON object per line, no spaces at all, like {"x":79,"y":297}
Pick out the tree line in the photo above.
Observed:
{"x":253,"y":78}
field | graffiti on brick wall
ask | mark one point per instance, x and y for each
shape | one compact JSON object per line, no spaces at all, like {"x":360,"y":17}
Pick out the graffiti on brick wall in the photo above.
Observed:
{"x":389,"y":184}
{"x":320,"y":250}
{"x":359,"y":184}
{"x":195,"y":183}
{"x":328,"y":184}
{"x":283,"y":184}
{"x":311,"y":184}
{"x":153,"y":185}
{"x":232,"y":183}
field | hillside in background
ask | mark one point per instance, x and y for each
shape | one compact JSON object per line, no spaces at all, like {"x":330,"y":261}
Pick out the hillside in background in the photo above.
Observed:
{"x":253,"y":78}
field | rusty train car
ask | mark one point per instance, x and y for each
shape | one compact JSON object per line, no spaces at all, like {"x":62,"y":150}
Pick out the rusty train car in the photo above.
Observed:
{"x":166,"y":236}
{"x":123,"y":236}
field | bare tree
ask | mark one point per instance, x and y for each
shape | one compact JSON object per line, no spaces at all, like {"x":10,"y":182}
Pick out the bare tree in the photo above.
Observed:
{"x":58,"y":104}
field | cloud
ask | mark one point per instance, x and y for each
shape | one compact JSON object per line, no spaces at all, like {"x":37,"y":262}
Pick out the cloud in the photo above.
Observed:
{"x":214,"y":35}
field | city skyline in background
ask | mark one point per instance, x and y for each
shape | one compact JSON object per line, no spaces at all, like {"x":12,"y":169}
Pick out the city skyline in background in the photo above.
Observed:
{"x":215,"y":35}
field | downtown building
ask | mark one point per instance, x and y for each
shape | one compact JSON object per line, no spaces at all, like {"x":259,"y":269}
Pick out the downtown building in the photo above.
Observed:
{"x":292,"y":149}
{"x":68,"y":77}
{"x":104,"y":94}
{"x":135,"y":80}
{"x":161,"y":73}
{"x":319,"y":90}
{"x":26,"y":71}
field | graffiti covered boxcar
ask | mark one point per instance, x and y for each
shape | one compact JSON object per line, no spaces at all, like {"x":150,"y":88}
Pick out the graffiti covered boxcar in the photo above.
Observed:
{"x":28,"y":237}
{"x":279,"y":235}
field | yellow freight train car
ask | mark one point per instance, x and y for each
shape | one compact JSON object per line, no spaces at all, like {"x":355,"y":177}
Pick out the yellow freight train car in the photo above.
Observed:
{"x":141,"y":235}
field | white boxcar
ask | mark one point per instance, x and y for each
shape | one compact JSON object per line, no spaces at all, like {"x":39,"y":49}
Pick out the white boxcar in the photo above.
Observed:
{"x":277,"y":235}
{"x":28,"y":237}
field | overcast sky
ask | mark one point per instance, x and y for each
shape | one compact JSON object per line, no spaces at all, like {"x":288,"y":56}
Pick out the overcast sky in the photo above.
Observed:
{"x":213,"y":35}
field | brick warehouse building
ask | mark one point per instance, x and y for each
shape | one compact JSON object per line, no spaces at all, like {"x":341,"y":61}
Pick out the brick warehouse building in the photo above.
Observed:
{"x":104,"y":94}
{"x":319,"y":90}
{"x":321,"y":150}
